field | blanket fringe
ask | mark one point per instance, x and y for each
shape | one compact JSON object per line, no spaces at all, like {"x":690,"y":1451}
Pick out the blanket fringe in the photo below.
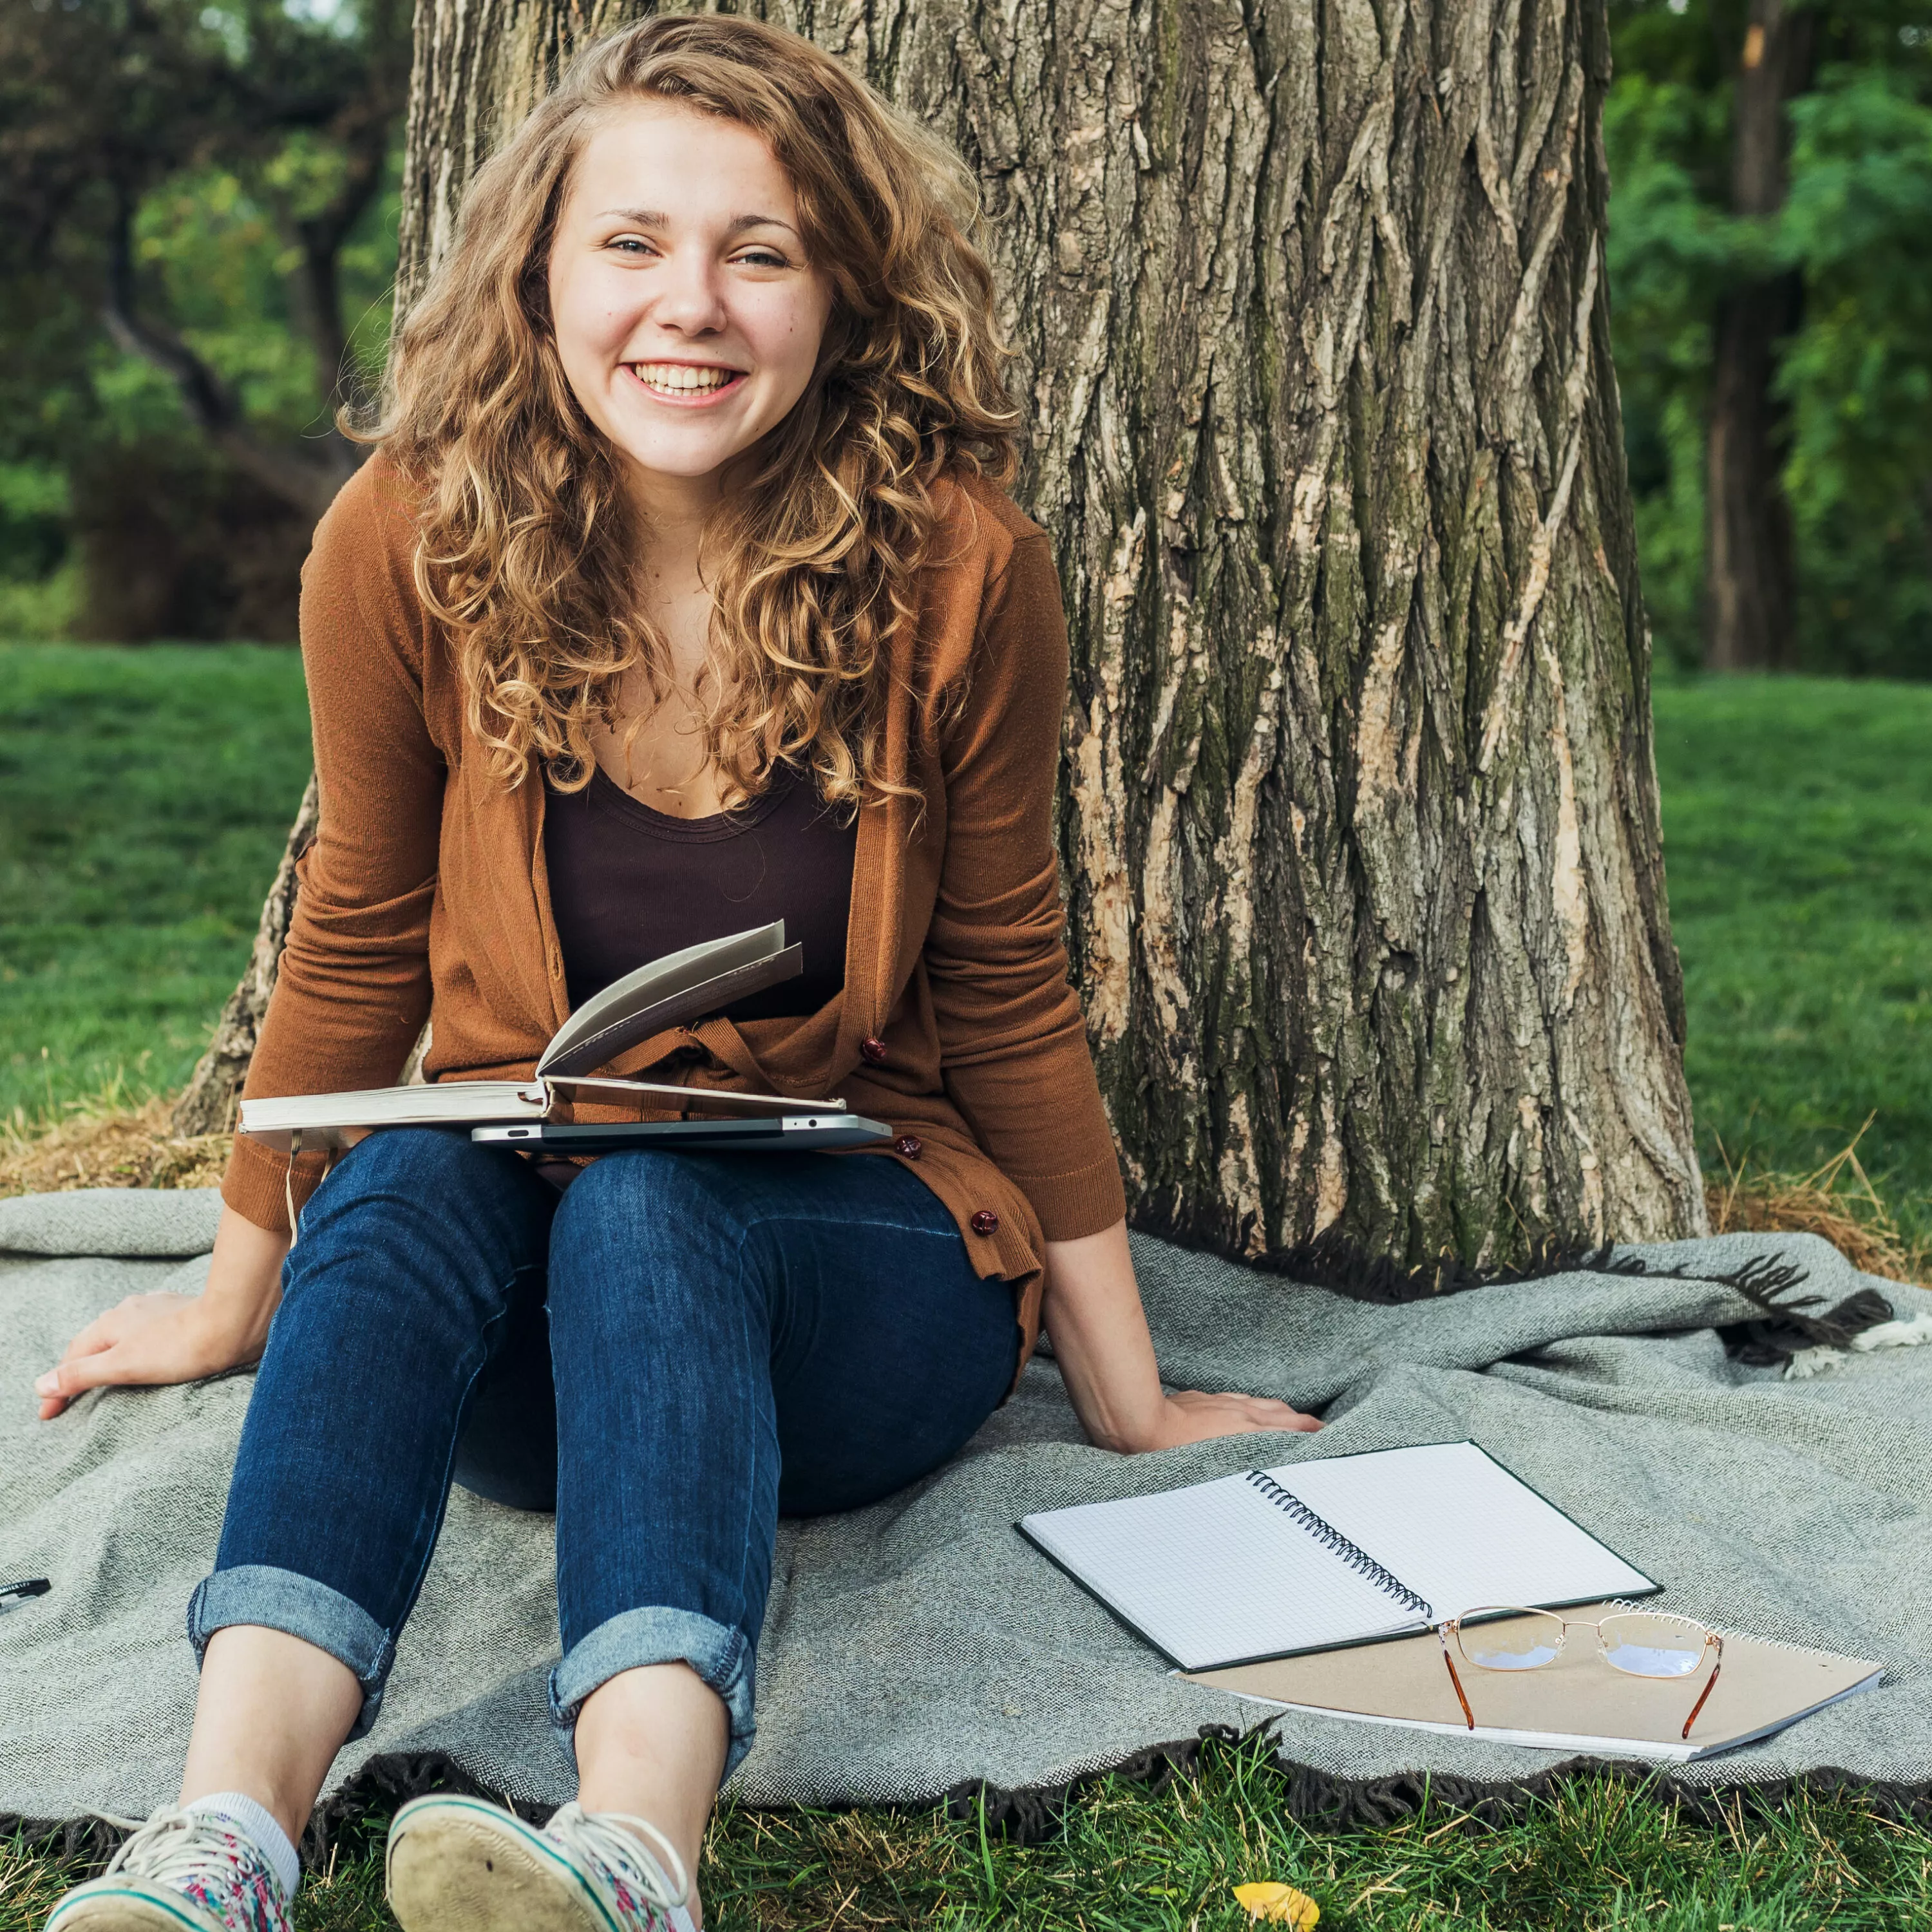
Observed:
{"x":1819,"y":1361}
{"x":1325,"y":1802}
{"x":1333,"y":1261}
{"x":1027,"y":1814}
{"x":1790,"y":1324}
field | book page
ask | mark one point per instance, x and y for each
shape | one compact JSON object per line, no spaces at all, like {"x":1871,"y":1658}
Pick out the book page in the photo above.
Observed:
{"x":1458,"y":1528}
{"x":321,"y":1118}
{"x":1215,"y":1573}
{"x":661,"y":980}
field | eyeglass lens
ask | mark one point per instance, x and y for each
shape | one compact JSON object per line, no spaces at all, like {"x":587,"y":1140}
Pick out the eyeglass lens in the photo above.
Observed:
{"x":1652,"y":1646}
{"x":1520,"y":1643}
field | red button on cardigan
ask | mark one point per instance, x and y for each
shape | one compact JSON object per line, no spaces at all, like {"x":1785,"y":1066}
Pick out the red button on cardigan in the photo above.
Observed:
{"x":908,"y":1144}
{"x":874,"y":1048}
{"x":985,"y":1222}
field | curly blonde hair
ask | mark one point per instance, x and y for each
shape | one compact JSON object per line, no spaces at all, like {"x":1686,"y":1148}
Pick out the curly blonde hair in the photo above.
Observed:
{"x":528,"y":540}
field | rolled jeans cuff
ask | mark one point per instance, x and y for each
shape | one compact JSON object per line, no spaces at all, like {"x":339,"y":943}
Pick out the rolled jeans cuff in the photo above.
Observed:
{"x":282,"y":1600}
{"x":723,"y":1656}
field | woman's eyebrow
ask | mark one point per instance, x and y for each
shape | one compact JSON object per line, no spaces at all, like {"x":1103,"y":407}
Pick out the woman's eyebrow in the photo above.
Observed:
{"x":651,"y":217}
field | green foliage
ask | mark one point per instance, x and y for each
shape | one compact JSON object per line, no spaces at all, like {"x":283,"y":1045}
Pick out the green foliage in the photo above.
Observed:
{"x":182,"y":184}
{"x":1857,"y":376}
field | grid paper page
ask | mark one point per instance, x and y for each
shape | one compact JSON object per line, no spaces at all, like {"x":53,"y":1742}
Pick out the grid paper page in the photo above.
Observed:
{"x":1216,"y":1573}
{"x":1458,"y":1528}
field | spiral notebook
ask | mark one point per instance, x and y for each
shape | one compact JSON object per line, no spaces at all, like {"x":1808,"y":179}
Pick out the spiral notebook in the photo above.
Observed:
{"x":1346,"y":1549}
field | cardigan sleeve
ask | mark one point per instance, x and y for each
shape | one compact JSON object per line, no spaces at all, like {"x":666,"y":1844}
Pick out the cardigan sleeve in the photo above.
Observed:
{"x":1013,"y":1050}
{"x":352,"y":989}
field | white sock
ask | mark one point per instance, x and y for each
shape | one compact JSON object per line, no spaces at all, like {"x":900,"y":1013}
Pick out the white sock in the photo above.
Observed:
{"x":248,"y":1818}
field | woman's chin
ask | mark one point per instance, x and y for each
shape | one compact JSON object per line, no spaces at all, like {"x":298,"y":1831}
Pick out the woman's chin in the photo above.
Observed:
{"x":679,"y":462}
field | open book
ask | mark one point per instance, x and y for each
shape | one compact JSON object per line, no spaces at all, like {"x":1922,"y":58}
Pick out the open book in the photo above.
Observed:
{"x":663,"y":993}
{"x":1317,"y":1555}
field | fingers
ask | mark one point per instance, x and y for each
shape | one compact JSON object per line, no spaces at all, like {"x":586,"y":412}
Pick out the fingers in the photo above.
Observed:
{"x":54,"y":1391}
{"x":1270,"y":1414}
{"x":1245,"y":1414}
{"x":94,"y":1371}
{"x":92,"y":1345}
{"x":76,"y":1374}
{"x":101,"y":1333}
{"x":95,"y":1339}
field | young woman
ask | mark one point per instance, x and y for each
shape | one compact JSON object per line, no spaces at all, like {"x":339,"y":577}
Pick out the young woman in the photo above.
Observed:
{"x":680,"y":596}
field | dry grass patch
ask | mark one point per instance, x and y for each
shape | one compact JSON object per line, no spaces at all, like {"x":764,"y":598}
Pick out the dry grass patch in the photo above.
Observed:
{"x":105,"y":1142}
{"x":1837,"y":1200}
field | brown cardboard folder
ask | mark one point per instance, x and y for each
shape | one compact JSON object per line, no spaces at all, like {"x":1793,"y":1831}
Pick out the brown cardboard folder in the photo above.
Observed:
{"x":1577,"y":1703}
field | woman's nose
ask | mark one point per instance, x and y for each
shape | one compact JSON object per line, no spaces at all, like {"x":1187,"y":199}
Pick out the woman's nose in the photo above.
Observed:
{"x":689,"y":294}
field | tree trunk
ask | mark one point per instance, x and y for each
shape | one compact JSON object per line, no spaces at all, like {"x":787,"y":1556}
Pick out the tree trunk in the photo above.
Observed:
{"x":1750,"y":581}
{"x":1359,"y":815}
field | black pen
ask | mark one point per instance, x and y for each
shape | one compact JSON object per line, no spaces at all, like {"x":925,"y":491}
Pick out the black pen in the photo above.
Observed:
{"x":34,"y":1586}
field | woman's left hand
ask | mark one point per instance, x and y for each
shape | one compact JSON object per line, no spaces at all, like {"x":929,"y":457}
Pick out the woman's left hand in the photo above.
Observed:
{"x":1190,"y":1416}
{"x":1093,"y":1313}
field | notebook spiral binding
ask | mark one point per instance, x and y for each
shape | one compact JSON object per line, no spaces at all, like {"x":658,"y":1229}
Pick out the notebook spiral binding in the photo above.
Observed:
{"x":1721,"y":1630}
{"x":1331,"y":1538}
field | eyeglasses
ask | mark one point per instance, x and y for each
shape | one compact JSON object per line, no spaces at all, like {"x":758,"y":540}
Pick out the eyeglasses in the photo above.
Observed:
{"x":1640,"y":1643}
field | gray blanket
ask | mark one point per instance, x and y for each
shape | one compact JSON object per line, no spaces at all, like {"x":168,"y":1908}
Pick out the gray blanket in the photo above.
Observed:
{"x":922,"y":1644}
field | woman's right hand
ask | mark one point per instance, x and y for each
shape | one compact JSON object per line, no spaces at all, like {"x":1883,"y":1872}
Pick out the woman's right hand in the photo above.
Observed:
{"x":150,"y":1339}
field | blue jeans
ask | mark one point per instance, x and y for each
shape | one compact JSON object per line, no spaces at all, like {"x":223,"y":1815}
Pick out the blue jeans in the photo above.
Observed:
{"x":728,"y":1338}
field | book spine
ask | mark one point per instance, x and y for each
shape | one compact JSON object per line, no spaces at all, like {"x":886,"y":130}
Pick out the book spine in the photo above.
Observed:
{"x":1331,"y":1539}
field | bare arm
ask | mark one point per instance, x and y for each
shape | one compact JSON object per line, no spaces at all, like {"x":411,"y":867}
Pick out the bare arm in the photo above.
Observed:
{"x":179,"y":1338}
{"x":1099,"y":1331}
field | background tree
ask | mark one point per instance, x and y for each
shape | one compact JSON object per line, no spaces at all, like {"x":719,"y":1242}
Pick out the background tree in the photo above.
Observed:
{"x":179,"y":186}
{"x":1773,"y":325}
{"x":1359,"y":820}
{"x":1750,"y":589}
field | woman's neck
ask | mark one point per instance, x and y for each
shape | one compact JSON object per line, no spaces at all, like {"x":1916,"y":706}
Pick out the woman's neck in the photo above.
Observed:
{"x":672,"y":511}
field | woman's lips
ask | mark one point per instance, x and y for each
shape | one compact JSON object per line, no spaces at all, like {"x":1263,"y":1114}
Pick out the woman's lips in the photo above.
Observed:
{"x":686,"y":399}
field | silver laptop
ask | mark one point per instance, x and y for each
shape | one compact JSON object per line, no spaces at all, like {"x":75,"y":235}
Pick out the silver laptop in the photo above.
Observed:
{"x":781,"y":1133}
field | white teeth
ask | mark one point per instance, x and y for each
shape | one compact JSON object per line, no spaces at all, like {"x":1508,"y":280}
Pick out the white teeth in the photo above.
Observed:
{"x":676,"y":376}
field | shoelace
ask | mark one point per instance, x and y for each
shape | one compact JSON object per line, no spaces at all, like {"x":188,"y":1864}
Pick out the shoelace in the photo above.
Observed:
{"x":610,"y":1840}
{"x":201,"y":1854}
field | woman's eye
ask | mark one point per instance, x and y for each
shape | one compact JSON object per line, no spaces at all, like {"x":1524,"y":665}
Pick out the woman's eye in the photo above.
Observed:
{"x":763,"y":258}
{"x":632,"y":245}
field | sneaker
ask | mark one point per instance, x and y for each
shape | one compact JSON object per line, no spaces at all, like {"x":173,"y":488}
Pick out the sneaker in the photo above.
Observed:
{"x":181,"y":1872}
{"x":462,"y":1865}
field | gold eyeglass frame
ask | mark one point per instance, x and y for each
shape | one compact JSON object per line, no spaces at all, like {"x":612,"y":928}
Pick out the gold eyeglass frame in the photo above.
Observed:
{"x":1452,"y":1627}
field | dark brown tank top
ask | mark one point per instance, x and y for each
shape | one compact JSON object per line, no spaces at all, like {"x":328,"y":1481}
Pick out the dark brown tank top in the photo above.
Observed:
{"x":629,"y":884}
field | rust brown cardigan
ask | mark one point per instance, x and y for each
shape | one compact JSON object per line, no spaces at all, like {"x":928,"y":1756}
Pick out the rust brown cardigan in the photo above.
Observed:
{"x":424,"y":895}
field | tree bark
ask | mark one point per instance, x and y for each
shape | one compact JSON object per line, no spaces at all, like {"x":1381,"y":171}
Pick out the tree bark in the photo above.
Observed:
{"x":1751,"y":576}
{"x":1359,"y":815}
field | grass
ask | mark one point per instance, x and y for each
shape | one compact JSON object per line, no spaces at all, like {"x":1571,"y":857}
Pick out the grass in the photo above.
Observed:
{"x":143,"y":799}
{"x":1798,"y":840}
{"x":1598,"y":1854}
{"x":144,"y":795}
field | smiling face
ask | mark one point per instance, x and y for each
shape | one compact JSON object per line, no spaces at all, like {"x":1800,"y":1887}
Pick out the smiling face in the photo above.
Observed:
{"x":687,"y":318}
